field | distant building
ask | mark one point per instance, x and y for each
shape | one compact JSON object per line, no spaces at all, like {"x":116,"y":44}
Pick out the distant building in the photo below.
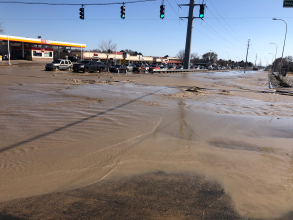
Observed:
{"x":48,"y":50}
{"x":117,"y":57}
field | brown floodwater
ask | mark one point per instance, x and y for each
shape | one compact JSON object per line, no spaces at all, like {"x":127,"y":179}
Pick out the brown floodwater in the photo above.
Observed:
{"x":57,"y":137}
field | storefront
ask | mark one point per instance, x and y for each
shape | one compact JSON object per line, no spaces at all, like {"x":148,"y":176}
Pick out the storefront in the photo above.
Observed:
{"x":32,"y":53}
{"x":35,"y":49}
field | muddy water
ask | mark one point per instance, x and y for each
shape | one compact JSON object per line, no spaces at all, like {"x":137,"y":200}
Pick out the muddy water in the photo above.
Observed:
{"x":65,"y":138}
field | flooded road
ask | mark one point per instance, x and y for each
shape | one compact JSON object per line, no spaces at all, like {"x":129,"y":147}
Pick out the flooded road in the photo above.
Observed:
{"x":59,"y":136}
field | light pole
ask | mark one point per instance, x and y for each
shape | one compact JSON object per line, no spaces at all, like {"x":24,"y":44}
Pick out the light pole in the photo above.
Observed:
{"x":275,"y":55}
{"x":284,"y":40}
{"x":8,"y":51}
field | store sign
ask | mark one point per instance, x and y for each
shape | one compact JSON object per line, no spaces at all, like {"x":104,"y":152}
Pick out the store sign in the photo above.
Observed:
{"x":288,"y":4}
{"x":45,"y":41}
{"x":96,"y":55}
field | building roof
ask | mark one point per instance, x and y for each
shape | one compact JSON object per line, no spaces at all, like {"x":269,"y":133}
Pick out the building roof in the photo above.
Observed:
{"x":41,"y":41}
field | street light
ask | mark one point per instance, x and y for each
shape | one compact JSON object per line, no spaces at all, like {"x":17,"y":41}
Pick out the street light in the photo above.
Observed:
{"x":284,"y":40}
{"x":275,"y":55}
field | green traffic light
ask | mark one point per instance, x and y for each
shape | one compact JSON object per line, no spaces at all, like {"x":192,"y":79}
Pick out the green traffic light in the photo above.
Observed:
{"x":201,"y":15}
{"x":123,"y":16}
{"x":162,"y":16}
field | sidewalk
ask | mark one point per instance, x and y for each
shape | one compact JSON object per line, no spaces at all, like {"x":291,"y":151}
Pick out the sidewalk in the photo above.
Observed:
{"x":25,"y":62}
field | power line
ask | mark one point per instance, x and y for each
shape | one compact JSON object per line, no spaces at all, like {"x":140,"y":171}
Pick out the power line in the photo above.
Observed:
{"x":200,"y":31}
{"x":222,"y":24}
{"x":174,"y":10}
{"x":225,"y":21}
{"x":227,"y":32}
{"x":220,"y":35}
{"x":212,"y":29}
{"x":74,"y":4}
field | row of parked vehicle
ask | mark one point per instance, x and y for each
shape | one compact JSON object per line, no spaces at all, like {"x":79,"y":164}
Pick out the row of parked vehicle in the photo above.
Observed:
{"x":92,"y":66}
{"x":83,"y":66}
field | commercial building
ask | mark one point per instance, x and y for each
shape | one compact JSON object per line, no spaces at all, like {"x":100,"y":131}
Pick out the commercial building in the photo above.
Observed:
{"x":117,"y":57}
{"x":35,"y":49}
{"x":47,"y":50}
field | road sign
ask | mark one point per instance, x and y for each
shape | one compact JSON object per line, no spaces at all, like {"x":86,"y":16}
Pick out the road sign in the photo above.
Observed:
{"x":124,"y":61}
{"x":288,"y":4}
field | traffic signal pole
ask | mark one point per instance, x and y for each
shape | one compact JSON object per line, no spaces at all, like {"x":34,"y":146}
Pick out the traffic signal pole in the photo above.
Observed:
{"x":189,"y":35}
{"x":190,"y":17}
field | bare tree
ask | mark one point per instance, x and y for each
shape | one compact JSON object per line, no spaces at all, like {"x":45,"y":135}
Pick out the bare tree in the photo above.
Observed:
{"x":210,"y":57}
{"x":107,"y":47}
{"x":181,"y":54}
{"x":1,"y":28}
{"x":288,"y":59}
{"x":194,"y":58}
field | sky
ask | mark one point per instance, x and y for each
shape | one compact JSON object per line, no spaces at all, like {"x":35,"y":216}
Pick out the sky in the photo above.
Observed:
{"x":225,"y":30}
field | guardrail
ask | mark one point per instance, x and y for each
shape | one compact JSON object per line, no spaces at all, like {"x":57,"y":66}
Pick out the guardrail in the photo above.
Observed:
{"x":191,"y":70}
{"x":177,"y":70}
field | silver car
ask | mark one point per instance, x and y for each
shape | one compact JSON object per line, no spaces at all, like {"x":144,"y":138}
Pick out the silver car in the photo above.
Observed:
{"x":59,"y":65}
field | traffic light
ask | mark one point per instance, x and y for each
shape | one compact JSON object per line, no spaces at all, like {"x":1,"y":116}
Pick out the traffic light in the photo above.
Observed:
{"x":201,"y":11}
{"x":81,"y":13}
{"x":162,"y":11}
{"x":123,"y":12}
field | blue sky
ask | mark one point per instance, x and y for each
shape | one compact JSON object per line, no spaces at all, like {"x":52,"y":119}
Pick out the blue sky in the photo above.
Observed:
{"x":144,"y":31}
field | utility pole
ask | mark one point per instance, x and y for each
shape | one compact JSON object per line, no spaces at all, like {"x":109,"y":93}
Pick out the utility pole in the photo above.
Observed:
{"x":189,"y":36}
{"x":189,"y":30}
{"x":246,"y":55}
{"x":255,"y":60}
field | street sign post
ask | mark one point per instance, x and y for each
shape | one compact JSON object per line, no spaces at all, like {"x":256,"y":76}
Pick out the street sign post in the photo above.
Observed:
{"x":288,"y":4}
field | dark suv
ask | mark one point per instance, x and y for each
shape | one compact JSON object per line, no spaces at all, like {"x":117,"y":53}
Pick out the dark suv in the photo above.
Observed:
{"x":90,"y":66}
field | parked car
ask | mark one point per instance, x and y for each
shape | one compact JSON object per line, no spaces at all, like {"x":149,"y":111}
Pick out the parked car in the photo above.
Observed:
{"x":210,"y":67}
{"x":59,"y":64}
{"x":192,"y":67}
{"x":140,"y":67}
{"x":179,"y":68}
{"x":162,"y":67}
{"x":98,"y":66}
{"x":130,"y":67}
{"x":171,"y":67}
{"x":81,"y":66}
{"x":119,"y":69}
{"x":153,"y":67}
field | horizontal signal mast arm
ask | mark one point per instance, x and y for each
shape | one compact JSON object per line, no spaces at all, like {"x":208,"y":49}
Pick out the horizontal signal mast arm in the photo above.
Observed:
{"x":188,"y":4}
